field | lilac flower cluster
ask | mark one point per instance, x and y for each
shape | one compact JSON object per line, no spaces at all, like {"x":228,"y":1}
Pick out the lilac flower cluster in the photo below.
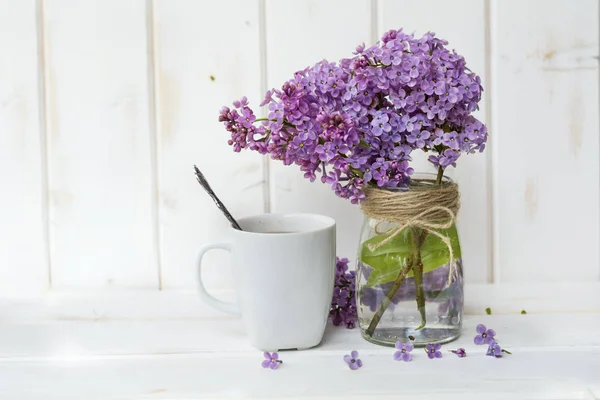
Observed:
{"x":356,"y":122}
{"x":343,"y":303}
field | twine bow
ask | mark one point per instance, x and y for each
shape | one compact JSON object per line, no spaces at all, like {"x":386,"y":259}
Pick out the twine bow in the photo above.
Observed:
{"x":419,"y":221}
{"x":441,"y":202}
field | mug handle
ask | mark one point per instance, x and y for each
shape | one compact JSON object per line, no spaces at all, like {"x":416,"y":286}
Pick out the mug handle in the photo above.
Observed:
{"x":230,"y":308}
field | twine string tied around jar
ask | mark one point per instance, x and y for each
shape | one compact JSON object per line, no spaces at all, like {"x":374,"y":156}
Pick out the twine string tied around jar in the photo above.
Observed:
{"x":426,"y":207}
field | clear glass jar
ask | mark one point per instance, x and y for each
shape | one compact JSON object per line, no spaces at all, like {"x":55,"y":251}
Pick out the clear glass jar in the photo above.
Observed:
{"x":398,"y":302}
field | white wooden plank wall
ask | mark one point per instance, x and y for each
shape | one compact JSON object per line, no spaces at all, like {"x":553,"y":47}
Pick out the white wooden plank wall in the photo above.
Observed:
{"x":106,"y":105}
{"x":545,"y":155}
{"x":23,"y":246}
{"x":193,"y":80}
{"x":101,"y":182}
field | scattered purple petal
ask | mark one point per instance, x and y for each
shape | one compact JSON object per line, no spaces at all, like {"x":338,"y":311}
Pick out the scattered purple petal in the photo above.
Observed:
{"x":485,"y":336}
{"x":494,"y":350}
{"x":353,"y":361}
{"x":271,"y":360}
{"x":403,"y":352}
{"x":433,"y":350}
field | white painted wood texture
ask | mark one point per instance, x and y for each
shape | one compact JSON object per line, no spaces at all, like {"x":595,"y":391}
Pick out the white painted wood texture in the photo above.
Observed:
{"x":23,"y":245}
{"x":471,"y":172}
{"x":146,"y":344}
{"x":535,"y":372}
{"x":118,"y":305}
{"x":545,"y":150}
{"x":119,"y":103}
{"x":101,"y":182}
{"x":193,"y":81}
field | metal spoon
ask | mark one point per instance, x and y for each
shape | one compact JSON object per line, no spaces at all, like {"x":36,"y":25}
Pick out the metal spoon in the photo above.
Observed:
{"x":204,"y":183}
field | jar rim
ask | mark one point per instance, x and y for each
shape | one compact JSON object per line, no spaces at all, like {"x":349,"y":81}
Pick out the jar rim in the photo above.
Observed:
{"x":419,"y":179}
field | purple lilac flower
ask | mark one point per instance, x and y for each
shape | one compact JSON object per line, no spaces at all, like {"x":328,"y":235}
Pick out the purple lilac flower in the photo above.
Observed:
{"x":371,"y":297}
{"x":433,"y":350}
{"x":459,"y":352}
{"x":484,"y":336}
{"x":403,"y":352}
{"x":452,"y":305}
{"x":325,"y":152}
{"x":340,"y":296}
{"x":380,"y":124}
{"x":453,"y":295}
{"x":271,"y":360}
{"x":337,"y":120}
{"x":353,"y":361}
{"x":494,"y":349}
{"x":343,"y":304}
{"x":341,"y":265}
{"x":336,"y":316}
{"x":418,"y":138}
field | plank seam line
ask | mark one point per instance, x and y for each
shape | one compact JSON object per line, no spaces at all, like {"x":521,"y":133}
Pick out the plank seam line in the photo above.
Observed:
{"x":374,"y":22}
{"x":262,"y":46}
{"x":43,"y":126}
{"x":492,"y":158}
{"x":153,"y":137}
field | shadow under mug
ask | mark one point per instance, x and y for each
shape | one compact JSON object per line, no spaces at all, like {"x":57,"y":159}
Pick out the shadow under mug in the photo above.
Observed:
{"x":284,"y":268}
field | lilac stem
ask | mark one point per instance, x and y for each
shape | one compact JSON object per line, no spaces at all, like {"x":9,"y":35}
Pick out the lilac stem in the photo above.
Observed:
{"x":440,"y":175}
{"x":418,"y":239}
{"x":388,"y":298}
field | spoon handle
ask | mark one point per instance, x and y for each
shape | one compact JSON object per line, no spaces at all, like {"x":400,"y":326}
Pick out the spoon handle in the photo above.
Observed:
{"x":204,"y":183}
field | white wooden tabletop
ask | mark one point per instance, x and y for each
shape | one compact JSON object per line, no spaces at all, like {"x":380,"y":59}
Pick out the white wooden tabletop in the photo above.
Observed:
{"x":167,"y":345}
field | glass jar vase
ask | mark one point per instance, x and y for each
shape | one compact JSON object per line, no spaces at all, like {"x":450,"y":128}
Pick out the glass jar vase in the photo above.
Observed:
{"x":409,"y":280}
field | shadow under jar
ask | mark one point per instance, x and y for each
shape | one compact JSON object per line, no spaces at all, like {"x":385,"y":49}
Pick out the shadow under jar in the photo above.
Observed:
{"x":409,"y":281}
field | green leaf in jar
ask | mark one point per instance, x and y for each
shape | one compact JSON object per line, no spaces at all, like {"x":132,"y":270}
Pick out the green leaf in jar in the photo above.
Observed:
{"x":388,"y":259}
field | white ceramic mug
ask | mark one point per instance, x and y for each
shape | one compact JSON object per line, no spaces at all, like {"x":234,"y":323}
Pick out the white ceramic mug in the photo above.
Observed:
{"x":284,"y":267}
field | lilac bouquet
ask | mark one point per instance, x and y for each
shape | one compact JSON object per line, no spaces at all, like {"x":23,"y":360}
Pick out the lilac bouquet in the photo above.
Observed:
{"x":356,"y":122}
